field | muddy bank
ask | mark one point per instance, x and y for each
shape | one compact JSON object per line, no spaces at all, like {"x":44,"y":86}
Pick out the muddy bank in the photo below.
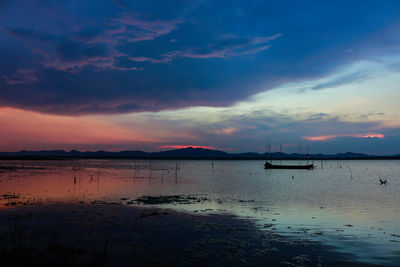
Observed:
{"x":109,"y":235}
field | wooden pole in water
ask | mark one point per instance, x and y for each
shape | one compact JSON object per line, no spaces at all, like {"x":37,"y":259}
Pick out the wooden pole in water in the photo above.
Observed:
{"x":135,"y":169}
{"x":176,"y":172}
{"x":150,"y":169}
{"x":98,"y":179}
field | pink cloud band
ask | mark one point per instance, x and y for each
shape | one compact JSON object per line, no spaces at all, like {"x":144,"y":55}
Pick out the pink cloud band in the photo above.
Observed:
{"x":333,"y":136}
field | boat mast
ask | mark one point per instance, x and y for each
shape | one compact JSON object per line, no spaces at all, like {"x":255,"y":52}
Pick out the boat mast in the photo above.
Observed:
{"x":269,"y":151}
{"x":266,"y":153}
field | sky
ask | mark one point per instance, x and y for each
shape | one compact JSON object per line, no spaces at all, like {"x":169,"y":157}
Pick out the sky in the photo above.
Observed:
{"x":231,"y":75}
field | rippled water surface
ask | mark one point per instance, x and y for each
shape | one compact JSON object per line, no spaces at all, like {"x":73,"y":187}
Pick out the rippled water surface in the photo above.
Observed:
{"x":341,"y":203}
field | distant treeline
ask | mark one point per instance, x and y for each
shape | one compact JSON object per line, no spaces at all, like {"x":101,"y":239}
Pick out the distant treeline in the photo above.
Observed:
{"x":185,"y":153}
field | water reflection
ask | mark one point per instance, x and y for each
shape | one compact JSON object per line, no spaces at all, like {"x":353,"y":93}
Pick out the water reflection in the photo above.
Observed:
{"x":339,"y":202}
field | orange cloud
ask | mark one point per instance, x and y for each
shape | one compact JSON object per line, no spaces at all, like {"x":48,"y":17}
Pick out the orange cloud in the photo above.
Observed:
{"x":369,"y":135}
{"x":332,"y":136}
{"x":227,"y":131}
{"x":182,"y":146}
{"x":320,"y":137}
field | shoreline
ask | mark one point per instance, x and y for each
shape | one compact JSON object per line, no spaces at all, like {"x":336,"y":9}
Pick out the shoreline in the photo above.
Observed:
{"x":55,"y":158}
{"x":62,"y":234}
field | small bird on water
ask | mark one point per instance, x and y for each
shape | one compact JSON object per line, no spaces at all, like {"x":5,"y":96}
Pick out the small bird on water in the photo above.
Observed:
{"x":383,"y":182}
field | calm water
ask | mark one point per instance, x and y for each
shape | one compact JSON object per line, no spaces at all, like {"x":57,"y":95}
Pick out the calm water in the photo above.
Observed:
{"x":341,"y":204}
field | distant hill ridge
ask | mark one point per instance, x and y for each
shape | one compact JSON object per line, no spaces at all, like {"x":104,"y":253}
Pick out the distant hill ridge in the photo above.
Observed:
{"x":184,"y":153}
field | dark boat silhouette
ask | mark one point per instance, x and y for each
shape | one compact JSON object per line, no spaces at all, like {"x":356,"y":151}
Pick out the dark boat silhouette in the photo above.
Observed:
{"x":301,"y":167}
{"x":269,"y":165}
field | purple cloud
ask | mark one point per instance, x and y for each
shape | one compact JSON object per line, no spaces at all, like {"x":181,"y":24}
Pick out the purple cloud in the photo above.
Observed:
{"x":95,"y":46}
{"x":131,"y":56}
{"x":231,"y":46}
{"x":22,"y":76}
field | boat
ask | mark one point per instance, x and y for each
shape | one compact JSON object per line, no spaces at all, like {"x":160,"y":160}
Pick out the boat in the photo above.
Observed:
{"x":300,"y":167}
{"x":269,"y":165}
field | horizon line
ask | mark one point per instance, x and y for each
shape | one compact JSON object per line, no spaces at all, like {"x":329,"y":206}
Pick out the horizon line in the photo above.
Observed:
{"x":198,"y":148}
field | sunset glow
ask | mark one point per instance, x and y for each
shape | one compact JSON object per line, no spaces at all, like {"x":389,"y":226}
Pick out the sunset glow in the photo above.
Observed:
{"x":321,"y":138}
{"x":329,"y":137}
{"x":369,"y":135}
{"x":133,"y":75}
{"x":149,"y":132}
{"x":26,"y":129}
{"x":181,"y":146}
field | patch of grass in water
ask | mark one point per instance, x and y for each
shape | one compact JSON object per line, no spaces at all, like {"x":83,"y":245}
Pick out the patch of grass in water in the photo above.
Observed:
{"x":172,"y":199}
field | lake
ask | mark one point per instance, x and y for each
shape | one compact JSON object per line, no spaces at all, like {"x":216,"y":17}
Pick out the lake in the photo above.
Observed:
{"x":339,"y":203}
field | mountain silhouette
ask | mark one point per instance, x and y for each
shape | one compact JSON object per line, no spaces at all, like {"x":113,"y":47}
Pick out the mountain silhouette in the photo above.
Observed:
{"x":184,"y":153}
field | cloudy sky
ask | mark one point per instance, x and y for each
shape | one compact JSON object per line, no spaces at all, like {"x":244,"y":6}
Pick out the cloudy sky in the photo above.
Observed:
{"x":232,"y":75}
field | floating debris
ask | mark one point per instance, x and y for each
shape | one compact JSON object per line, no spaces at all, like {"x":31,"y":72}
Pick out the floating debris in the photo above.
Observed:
{"x":173,"y":199}
{"x":6,"y":196}
{"x":242,"y":200}
{"x":154,"y":213}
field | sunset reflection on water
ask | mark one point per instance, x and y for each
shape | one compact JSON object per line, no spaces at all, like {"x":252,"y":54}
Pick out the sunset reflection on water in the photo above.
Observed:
{"x":338,"y":204}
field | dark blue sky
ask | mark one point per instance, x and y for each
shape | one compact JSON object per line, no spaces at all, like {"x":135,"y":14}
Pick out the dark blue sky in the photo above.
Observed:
{"x":90,"y":58}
